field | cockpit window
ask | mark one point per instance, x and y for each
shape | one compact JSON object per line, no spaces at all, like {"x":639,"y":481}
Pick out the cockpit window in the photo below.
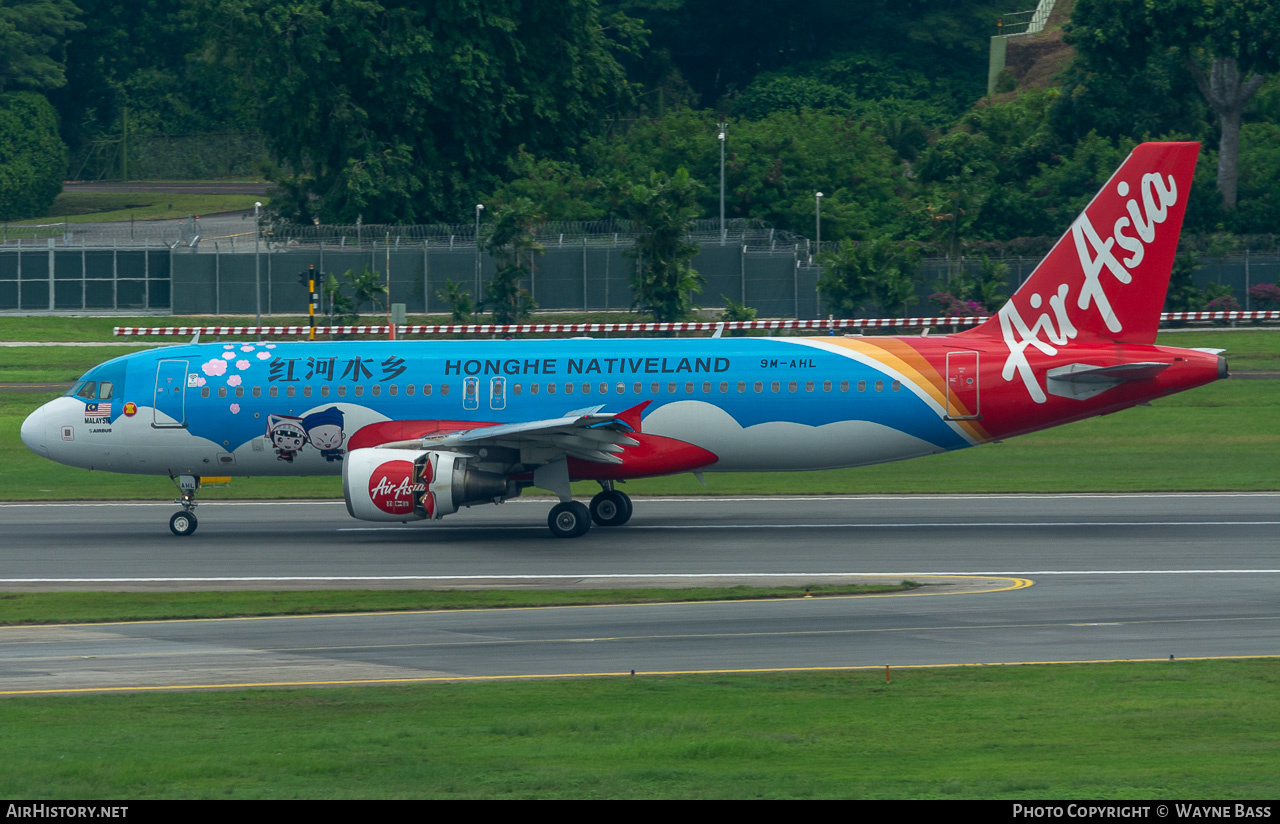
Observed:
{"x":88,"y":391}
{"x":104,"y":391}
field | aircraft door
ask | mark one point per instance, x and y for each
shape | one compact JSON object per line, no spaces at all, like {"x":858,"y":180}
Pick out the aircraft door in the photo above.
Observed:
{"x":471,"y":393}
{"x":170,"y":410}
{"x":962,"y":387}
{"x":497,"y":393}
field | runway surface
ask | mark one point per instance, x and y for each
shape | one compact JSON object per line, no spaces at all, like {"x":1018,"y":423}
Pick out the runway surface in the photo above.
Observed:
{"x":1086,"y":578}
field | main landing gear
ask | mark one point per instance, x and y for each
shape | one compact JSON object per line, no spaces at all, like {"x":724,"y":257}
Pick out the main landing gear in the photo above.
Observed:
{"x":184,"y":522}
{"x":572,"y":519}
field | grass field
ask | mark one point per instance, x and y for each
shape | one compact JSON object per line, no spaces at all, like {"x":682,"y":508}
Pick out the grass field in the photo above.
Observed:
{"x":1174,"y":730}
{"x":1170,"y":730}
{"x":103,"y":207}
{"x":97,"y":607}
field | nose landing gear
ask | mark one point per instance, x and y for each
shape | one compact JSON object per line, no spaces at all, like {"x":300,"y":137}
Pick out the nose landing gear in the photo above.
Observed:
{"x":184,"y":522}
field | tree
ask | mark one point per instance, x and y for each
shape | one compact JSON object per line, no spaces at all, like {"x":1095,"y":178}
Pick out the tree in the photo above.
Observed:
{"x":367,"y":287}
{"x":401,"y":111}
{"x":459,"y":299}
{"x":512,"y":242}
{"x":877,"y":271}
{"x":32,"y":42}
{"x":33,"y":159}
{"x":1228,"y":47}
{"x":664,"y":281}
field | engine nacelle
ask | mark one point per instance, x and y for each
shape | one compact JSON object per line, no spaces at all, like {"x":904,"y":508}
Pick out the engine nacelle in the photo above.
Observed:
{"x":401,"y":485}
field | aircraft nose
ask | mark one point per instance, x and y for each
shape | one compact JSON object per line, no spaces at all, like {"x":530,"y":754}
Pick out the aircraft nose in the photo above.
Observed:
{"x":35,"y":431}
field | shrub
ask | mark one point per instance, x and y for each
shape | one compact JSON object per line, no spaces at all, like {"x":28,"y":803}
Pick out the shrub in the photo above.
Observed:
{"x":1265,"y":296}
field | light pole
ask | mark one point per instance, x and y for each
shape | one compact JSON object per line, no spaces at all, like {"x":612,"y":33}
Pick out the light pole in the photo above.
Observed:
{"x":724,"y":128}
{"x":817,"y":211}
{"x":479,"y":209}
{"x":257,"y":266}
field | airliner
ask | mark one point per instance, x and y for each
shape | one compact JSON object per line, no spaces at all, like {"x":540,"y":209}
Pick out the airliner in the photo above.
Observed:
{"x":420,"y":429}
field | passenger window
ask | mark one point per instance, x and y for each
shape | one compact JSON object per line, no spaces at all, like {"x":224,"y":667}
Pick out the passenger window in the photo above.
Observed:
{"x":706,"y":386}
{"x":742,"y":387}
{"x":391,"y":390}
{"x":257,"y":392}
{"x":444,"y":389}
{"x":204,"y":391}
{"x":324,"y":391}
{"x":844,"y":386}
{"x":808,"y":387}
{"x":724,"y":387}
{"x":897,"y":385}
{"x":586,"y":389}
{"x":826,"y":386}
{"x":222,"y":391}
{"x":533,"y":389}
{"x":408,"y":390}
{"x":568,"y":389}
{"x":273,"y":391}
{"x":551,"y":389}
{"x":515,"y":389}
{"x":775,"y":386}
{"x":791,"y":387}
{"x":239,"y":391}
{"x":306,"y":391}
{"x":426,"y":389}
{"x":879,"y":386}
{"x":342,"y":391}
{"x":375,"y":390}
{"x":759,"y":386}
{"x":291,"y":391}
{"x":359,"y":390}
{"x":671,"y":389}
{"x":688,"y":388}
{"x":654,"y":388}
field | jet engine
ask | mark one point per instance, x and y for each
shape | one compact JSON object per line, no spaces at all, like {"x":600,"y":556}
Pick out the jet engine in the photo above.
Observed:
{"x":382,"y":484}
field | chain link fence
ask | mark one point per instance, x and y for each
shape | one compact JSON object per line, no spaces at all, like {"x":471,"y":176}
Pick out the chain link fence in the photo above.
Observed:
{"x":212,"y":266}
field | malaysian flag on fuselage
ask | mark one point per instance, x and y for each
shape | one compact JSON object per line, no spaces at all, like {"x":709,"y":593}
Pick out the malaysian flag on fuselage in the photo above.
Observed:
{"x":100,"y":409}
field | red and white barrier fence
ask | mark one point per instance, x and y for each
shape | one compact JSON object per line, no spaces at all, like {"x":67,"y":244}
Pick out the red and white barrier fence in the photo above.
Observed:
{"x":599,"y":328}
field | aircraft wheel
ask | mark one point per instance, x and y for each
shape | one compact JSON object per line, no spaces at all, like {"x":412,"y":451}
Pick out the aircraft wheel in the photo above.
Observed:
{"x":183,"y":523}
{"x":569,"y":520}
{"x":611,"y":508}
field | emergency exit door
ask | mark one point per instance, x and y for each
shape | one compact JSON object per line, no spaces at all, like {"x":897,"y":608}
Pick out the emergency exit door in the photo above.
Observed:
{"x":963,"y":393}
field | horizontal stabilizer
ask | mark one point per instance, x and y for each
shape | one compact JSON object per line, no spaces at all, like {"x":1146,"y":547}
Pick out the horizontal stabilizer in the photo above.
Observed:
{"x":1083,"y":380}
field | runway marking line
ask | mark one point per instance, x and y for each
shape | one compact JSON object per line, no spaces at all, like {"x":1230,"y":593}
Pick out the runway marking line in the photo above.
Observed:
{"x":1015,"y":584}
{"x":665,"y":673}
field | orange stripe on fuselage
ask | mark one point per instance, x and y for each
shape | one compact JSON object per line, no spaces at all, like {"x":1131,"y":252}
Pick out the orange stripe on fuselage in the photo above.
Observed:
{"x":902,"y":357}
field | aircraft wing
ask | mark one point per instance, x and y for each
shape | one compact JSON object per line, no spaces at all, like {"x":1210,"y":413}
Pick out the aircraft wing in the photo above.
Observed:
{"x":588,"y":434}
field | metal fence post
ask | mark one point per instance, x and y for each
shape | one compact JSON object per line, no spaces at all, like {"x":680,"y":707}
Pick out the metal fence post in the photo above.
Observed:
{"x":51,"y":289}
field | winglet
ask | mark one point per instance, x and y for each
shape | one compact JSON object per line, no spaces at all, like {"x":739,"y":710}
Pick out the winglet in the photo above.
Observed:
{"x":631,"y":417}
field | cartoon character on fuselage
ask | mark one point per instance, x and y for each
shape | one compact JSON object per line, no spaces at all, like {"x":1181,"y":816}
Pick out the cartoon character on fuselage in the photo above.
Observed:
{"x":324,"y":432}
{"x":287,"y":435}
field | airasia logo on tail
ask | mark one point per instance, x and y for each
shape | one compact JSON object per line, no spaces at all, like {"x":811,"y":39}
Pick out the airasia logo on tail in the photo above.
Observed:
{"x":1060,"y":302}
{"x":392,"y":488}
{"x":1157,"y":197}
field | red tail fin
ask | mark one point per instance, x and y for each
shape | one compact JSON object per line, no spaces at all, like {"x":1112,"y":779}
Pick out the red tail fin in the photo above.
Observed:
{"x":1106,"y":277}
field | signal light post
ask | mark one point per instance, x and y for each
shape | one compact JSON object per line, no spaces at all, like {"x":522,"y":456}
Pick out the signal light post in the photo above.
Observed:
{"x":308,"y":279}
